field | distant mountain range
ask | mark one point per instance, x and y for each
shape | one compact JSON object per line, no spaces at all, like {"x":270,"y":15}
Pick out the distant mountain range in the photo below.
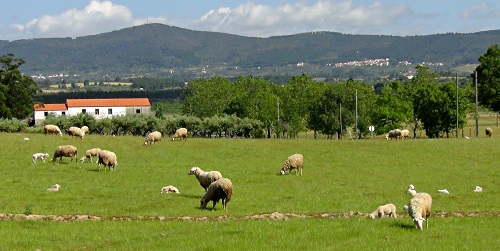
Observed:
{"x":162,"y":50}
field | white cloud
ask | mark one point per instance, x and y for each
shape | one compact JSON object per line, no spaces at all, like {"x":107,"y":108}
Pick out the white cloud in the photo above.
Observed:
{"x":481,"y":10}
{"x":96,"y":17}
{"x":265,"y":20}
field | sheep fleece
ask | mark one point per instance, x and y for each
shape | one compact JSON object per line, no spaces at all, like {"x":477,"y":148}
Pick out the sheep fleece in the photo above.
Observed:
{"x":65,"y":151}
{"x":420,"y":207}
{"x":295,"y":161}
{"x":221,"y":189}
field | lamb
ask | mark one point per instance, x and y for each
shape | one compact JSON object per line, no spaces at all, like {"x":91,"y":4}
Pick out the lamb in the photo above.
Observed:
{"x":295,"y":161}
{"x":75,"y":131}
{"x":107,"y":158}
{"x":65,"y":151}
{"x":85,"y":129}
{"x":489,"y":132}
{"x":221,"y":189}
{"x":152,"y":137}
{"x":396,"y":133}
{"x":382,"y":211}
{"x":52,"y":129}
{"x":40,"y":156}
{"x":419,"y":209}
{"x":54,"y":188}
{"x":181,"y":133}
{"x":405,"y":134}
{"x":89,"y":153}
{"x":169,"y":189}
{"x":205,"y":178}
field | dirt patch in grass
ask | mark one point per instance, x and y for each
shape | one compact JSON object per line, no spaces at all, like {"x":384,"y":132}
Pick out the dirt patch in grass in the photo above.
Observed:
{"x":267,"y":216}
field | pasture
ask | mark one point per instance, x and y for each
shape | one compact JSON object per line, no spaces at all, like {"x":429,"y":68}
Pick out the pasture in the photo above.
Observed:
{"x":325,"y":209}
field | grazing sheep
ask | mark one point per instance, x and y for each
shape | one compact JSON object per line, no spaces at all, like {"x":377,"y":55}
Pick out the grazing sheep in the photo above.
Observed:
{"x":169,"y":189}
{"x":295,"y":161}
{"x":75,"y":131}
{"x":52,"y":129}
{"x":152,"y":137}
{"x":221,"y":189}
{"x":181,"y":133}
{"x":40,"y":156}
{"x":107,"y":158}
{"x":382,"y":211}
{"x":396,"y":133}
{"x":419,"y":209}
{"x":489,"y":132}
{"x":54,"y":188}
{"x":65,"y":151}
{"x":205,"y":178}
{"x":405,"y":134}
{"x":89,"y":153}
{"x":85,"y":129}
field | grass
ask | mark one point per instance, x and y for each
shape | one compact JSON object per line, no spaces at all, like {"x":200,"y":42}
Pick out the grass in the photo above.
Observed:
{"x":339,"y":177}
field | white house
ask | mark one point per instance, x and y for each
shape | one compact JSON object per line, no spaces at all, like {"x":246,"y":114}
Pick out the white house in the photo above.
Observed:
{"x":98,"y":108}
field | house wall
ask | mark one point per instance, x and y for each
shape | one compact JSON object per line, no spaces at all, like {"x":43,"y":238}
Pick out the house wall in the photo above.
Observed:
{"x":40,"y":115}
{"x":98,"y":112}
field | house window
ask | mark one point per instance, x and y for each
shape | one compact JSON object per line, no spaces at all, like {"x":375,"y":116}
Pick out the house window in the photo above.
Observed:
{"x":96,"y":111}
{"x":84,"y":110}
{"x":110,"y":111}
{"x":137,"y":110}
{"x":45,"y":114}
{"x":63,"y":113}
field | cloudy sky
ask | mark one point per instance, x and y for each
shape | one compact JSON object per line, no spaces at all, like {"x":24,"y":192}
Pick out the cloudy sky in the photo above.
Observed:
{"x":24,"y":19}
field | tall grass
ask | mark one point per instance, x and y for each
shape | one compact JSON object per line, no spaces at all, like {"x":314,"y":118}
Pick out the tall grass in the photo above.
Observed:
{"x":339,"y":177}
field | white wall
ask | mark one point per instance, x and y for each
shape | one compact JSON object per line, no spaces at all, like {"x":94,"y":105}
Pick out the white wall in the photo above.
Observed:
{"x":103,"y":111}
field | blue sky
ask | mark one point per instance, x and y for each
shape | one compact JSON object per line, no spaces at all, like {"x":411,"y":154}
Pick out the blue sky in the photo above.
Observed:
{"x":25,"y":19}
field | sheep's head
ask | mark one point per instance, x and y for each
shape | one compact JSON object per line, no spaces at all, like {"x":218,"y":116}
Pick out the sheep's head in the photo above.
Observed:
{"x":203,"y":203}
{"x":82,"y":159}
{"x":193,"y":170}
{"x":282,"y":172}
{"x":418,"y":222}
{"x":371,"y":216}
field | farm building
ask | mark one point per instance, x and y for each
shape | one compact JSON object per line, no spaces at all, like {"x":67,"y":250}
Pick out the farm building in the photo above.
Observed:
{"x":98,"y":108}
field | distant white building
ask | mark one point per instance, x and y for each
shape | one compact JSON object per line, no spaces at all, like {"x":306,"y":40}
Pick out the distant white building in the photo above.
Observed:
{"x":97,"y":108}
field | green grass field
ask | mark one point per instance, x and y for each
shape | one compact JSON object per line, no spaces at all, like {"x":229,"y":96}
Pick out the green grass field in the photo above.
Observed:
{"x":325,"y":209}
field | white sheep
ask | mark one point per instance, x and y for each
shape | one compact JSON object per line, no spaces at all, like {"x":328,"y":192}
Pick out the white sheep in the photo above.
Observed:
{"x":419,"y":209}
{"x":52,"y":129}
{"x":489,"y":132}
{"x":75,"y":131}
{"x":65,"y":151}
{"x":295,"y":161}
{"x":54,"y":188}
{"x":396,"y":133}
{"x":108,"y":159}
{"x":152,"y":137}
{"x":40,"y":156}
{"x":169,"y":189}
{"x":85,"y":129}
{"x":205,"y":178}
{"x":89,"y":153}
{"x":181,"y":133}
{"x":222,"y":189}
{"x":405,"y":134}
{"x":388,"y":210}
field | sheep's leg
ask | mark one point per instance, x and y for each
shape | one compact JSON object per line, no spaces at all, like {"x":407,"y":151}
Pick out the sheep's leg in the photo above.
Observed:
{"x":213,"y":204}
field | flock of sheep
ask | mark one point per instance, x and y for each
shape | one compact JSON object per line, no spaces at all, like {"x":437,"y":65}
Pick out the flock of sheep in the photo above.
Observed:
{"x":404,"y":134}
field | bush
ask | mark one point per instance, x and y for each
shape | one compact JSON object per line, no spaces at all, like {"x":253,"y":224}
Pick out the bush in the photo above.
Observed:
{"x":12,"y":125}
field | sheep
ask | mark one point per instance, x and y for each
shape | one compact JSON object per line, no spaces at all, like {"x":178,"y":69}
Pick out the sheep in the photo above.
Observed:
{"x":107,"y":158}
{"x":75,"y":131}
{"x":205,"y":178}
{"x":405,"y":134}
{"x":419,"y":209}
{"x":54,"y":188}
{"x":89,"y":153}
{"x":152,"y":137}
{"x":40,"y":156}
{"x":65,"y":151}
{"x":489,"y":132}
{"x":221,"y":189}
{"x":295,"y":161}
{"x":85,"y":129}
{"x":169,"y":189}
{"x":52,"y":129}
{"x":396,"y":133}
{"x":181,"y":133}
{"x":382,"y":211}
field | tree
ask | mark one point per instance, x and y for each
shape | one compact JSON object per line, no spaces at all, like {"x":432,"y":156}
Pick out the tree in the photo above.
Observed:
{"x":207,"y":97}
{"x":392,"y":108}
{"x":488,"y":77}
{"x":15,"y":89}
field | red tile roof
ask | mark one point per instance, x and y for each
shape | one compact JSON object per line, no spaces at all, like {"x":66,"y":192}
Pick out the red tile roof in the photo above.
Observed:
{"x":50,"y":107}
{"x":111,"y":102}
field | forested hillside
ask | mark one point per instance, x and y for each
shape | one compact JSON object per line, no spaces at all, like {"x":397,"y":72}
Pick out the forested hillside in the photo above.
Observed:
{"x":156,"y":49}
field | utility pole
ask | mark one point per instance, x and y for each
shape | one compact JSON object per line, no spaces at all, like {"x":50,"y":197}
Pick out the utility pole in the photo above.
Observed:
{"x":477,"y":102}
